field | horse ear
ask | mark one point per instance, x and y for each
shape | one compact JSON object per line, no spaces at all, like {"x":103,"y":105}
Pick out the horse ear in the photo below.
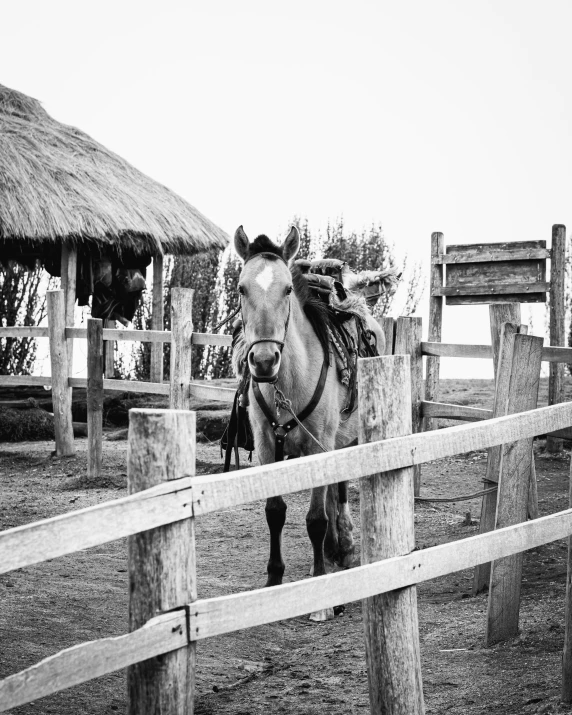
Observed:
{"x":291,"y":244}
{"x":241,"y":243}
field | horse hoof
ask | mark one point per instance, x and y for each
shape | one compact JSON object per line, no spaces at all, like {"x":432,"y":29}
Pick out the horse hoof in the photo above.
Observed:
{"x":347,"y":561}
{"x":327,"y":614}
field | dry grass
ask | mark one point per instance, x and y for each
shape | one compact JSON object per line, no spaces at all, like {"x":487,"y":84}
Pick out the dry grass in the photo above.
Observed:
{"x":59,"y":184}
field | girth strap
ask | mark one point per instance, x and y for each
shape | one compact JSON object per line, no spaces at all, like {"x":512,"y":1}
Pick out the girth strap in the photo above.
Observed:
{"x":281,"y":430}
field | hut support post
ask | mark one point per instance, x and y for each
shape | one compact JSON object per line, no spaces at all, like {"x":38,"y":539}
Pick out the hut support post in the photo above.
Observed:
{"x":557,"y":322}
{"x":390,"y":619}
{"x":109,"y":352}
{"x":408,"y":342}
{"x":61,"y":393}
{"x":162,"y":561}
{"x":68,"y":285}
{"x":181,"y":347}
{"x":157,"y":320}
{"x":94,"y":397}
{"x":524,"y":353}
{"x":435,"y":322}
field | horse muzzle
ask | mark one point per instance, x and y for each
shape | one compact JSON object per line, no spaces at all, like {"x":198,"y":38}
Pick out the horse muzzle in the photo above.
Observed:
{"x":264,"y":362}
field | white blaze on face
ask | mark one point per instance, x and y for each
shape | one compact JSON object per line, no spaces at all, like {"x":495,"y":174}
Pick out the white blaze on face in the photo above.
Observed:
{"x":265,"y":277}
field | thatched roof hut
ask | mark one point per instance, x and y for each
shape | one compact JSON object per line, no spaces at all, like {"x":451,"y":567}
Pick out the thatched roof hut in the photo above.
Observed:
{"x":59,"y":185}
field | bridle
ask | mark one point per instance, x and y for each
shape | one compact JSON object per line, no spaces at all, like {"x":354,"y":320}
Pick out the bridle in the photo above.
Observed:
{"x":280,"y":343}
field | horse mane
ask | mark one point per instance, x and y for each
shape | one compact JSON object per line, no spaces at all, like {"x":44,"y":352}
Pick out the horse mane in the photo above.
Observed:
{"x":262,"y":244}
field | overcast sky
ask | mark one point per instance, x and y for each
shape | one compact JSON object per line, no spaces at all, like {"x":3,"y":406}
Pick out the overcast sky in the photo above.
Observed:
{"x":423,"y":115}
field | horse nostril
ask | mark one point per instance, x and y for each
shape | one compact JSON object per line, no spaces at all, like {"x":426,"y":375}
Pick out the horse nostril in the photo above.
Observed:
{"x":276,"y":357}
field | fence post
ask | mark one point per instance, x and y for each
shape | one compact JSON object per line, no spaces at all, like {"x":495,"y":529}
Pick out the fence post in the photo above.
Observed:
{"x":557,"y":323}
{"x":435,"y":322}
{"x":94,"y":397}
{"x":408,"y":342}
{"x":109,"y":352}
{"x":513,"y":488}
{"x":157,"y":319}
{"x":68,"y":285}
{"x":387,"y":325}
{"x":61,"y":393}
{"x":181,"y":347}
{"x":566,"y":694}
{"x":504,"y":319}
{"x":162,"y":562}
{"x":390,"y":619}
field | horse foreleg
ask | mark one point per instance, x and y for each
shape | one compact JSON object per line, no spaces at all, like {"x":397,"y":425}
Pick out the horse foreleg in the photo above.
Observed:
{"x":275,"y":518}
{"x":317,"y":525}
{"x":345,"y":528}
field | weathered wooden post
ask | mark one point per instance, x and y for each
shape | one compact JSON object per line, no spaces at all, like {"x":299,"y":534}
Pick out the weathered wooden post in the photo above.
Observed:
{"x":435,"y":321}
{"x":566,"y":695}
{"x":181,"y":347}
{"x":390,"y":620}
{"x":68,"y":285}
{"x":61,"y":394}
{"x":557,"y":322}
{"x":109,"y":352}
{"x":513,"y":489}
{"x":162,"y":563}
{"x":387,"y":325}
{"x":408,"y":342}
{"x":157,"y":319}
{"x":94,"y":397}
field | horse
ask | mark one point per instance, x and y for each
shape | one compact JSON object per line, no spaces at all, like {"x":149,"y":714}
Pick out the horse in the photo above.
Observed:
{"x":286,"y":344}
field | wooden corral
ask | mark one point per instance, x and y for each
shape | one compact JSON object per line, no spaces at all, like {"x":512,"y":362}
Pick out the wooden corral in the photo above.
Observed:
{"x":175,"y":625}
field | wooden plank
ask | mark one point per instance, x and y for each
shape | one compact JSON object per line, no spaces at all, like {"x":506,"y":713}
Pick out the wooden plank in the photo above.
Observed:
{"x":225,"y":614}
{"x":387,"y":325}
{"x":454,"y":350}
{"x":549,"y":354}
{"x":198,"y":391}
{"x":144,"y":336}
{"x":94,"y":397}
{"x":500,"y":246}
{"x":109,"y":351}
{"x":211,"y":339}
{"x":386,"y":504}
{"x":33,"y":543}
{"x":61,"y":392}
{"x":513,"y":490}
{"x":408,"y":342}
{"x":494,"y":289}
{"x":500,"y":298}
{"x":435,"y":325}
{"x":93,"y":659}
{"x":566,"y":692}
{"x":157,"y":319}
{"x":151,"y":388}
{"x":557,"y":322}
{"x":504,"y":321}
{"x":23,"y":331}
{"x":488,"y":256}
{"x":162,"y":562}
{"x":26,"y":380}
{"x":448,"y":411}
{"x":181,"y":352}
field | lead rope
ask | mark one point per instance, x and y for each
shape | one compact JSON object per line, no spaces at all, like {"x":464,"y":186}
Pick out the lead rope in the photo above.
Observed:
{"x":283,"y":403}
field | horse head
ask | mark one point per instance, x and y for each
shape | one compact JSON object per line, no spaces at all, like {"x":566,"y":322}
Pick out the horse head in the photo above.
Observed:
{"x":265,"y":287}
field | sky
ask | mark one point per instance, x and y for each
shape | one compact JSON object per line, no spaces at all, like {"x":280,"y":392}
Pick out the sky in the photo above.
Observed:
{"x":449,"y":116}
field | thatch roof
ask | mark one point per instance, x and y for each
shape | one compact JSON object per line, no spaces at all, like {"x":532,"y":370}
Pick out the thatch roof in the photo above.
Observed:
{"x":58,"y":184}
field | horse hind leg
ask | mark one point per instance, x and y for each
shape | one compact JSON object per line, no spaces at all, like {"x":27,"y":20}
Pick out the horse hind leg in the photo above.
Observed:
{"x":345,"y":526}
{"x":317,"y":525}
{"x":275,"y":518}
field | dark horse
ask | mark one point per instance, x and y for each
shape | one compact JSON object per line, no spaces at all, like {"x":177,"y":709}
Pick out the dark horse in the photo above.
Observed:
{"x":286,"y":342}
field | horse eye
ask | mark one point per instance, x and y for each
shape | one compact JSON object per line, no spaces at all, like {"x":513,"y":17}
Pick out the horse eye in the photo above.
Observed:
{"x":288,"y":290}
{"x":241,"y":290}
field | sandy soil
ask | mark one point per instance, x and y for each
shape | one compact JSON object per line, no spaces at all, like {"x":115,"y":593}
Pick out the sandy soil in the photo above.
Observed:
{"x":293,"y":666}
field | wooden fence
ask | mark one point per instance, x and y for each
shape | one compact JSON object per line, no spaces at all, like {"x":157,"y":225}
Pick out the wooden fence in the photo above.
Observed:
{"x":169,"y":621}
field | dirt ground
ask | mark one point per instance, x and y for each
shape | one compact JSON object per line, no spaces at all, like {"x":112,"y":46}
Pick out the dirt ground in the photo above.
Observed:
{"x":293,"y":666}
